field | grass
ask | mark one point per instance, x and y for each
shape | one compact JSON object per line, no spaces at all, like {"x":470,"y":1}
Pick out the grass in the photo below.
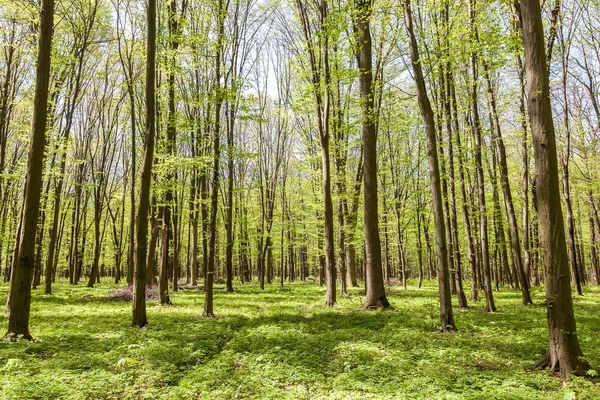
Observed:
{"x":284,"y":344}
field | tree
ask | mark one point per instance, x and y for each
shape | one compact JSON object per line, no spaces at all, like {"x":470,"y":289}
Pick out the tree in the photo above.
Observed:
{"x":476,"y":128}
{"x":19,"y":298}
{"x":564,"y":356}
{"x":169,"y":216}
{"x":210,"y":270}
{"x":375,"y":290}
{"x":139,"y":317}
{"x":320,"y":78}
{"x":446,"y":315}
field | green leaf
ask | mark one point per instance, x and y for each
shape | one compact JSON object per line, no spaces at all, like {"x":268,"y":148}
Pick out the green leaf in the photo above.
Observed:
{"x":569,"y":396}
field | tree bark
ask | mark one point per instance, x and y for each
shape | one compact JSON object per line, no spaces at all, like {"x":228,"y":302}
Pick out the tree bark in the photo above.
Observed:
{"x":471,"y":252}
{"x":564,"y":355}
{"x":575,"y":273}
{"x":19,"y":297}
{"x":375,"y":289}
{"x":515,"y":244}
{"x":139,"y":282}
{"x":476,"y":126}
{"x":446,"y":314}
{"x":210,"y":268}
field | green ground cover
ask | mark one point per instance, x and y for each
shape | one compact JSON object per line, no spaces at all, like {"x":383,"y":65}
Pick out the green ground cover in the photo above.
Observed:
{"x":284,"y":344}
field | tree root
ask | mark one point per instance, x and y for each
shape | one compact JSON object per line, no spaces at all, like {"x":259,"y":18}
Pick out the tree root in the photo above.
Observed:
{"x":448,"y":329}
{"x":555,"y":368}
{"x":541,"y":364}
{"x":380,"y":303}
{"x":14,"y":337}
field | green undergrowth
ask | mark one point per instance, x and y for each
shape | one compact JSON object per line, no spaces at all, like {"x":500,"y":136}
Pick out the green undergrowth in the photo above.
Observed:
{"x":285,"y":344}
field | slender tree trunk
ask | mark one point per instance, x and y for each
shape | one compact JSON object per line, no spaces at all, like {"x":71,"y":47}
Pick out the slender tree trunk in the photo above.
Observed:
{"x":210,"y":268}
{"x":575,"y":273}
{"x":471,"y":252}
{"x":229,"y":213}
{"x":351,"y":220}
{"x":139,"y":283}
{"x":525,"y":158}
{"x":163,"y":278}
{"x":594,"y":253}
{"x":419,"y":245}
{"x":132,"y":205}
{"x":322,"y":102}
{"x":476,"y":125}
{"x":451,"y":202}
{"x":515,"y":244}
{"x":155,"y":230}
{"x":95,"y":272}
{"x":446,"y":314}
{"x":499,"y":228}
{"x":375,"y":289}
{"x":19,"y":297}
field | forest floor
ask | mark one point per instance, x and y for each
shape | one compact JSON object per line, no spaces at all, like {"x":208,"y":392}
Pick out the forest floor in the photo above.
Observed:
{"x":285,"y":344}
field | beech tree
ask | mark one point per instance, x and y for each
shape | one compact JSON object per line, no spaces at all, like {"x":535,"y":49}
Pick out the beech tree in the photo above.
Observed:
{"x":446,"y":314}
{"x":376,"y":297}
{"x":317,"y":44}
{"x":139,"y":284}
{"x":564,"y":355}
{"x":19,"y":298}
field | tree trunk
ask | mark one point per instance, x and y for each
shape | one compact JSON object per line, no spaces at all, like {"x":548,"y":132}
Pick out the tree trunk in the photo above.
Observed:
{"x":95,"y":273}
{"x":139,"y":282}
{"x":575,"y":273}
{"x":446,"y":315}
{"x":451,"y":202}
{"x":163,"y":279}
{"x":594,"y":253}
{"x":210,"y":267}
{"x":564,"y":354}
{"x":375,"y":289}
{"x":476,"y":126}
{"x":351,"y":220}
{"x":19,"y":297}
{"x":471,"y":252}
{"x":515,"y":244}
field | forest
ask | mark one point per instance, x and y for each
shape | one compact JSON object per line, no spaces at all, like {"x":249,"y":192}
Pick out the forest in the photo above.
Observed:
{"x":343,"y":199}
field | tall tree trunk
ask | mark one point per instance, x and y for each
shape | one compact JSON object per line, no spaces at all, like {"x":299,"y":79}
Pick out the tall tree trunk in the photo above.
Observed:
{"x":351,"y":220}
{"x":229,"y":212}
{"x":594,"y":253}
{"x":375,"y":289}
{"x":525,"y":158}
{"x":194,"y":215}
{"x":451,"y":201}
{"x":320,"y":69}
{"x":210,"y":267}
{"x":564,"y":354}
{"x":419,"y":244}
{"x":95,"y":272}
{"x":476,"y":125}
{"x":446,"y":314}
{"x":19,"y":297}
{"x":139,"y":282}
{"x":515,"y":244}
{"x":499,"y":228}
{"x":155,"y":230}
{"x":471,"y":252}
{"x":575,"y":273}
{"x":163,"y":277}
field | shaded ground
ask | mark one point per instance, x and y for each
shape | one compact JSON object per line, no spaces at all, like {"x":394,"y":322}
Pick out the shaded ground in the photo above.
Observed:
{"x":286,"y":344}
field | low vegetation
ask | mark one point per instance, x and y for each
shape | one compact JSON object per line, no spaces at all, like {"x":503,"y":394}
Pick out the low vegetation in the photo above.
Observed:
{"x":284,"y":343}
